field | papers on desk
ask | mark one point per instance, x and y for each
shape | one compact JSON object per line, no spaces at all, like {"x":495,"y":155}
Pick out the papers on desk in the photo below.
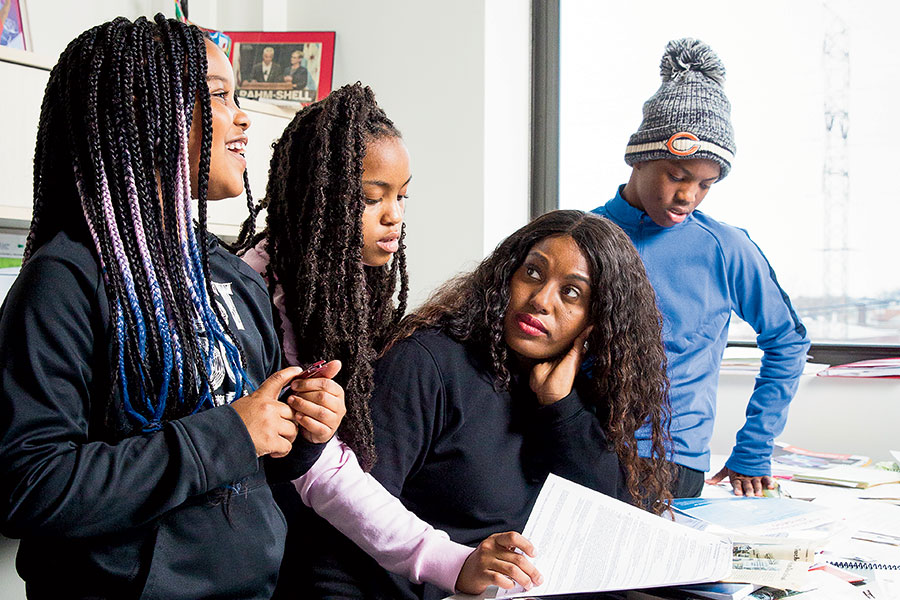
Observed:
{"x":851,"y":477}
{"x":720,"y":591}
{"x":871,"y":546}
{"x":780,"y":574}
{"x":888,"y":493}
{"x":741,"y":360}
{"x":775,"y":540}
{"x":846,"y":470}
{"x":821,"y":586}
{"x":589,"y":542}
{"x":881,"y":367}
{"x":754,"y":515}
{"x":737,"y":359}
{"x":867,"y":517}
{"x":788,"y":460}
{"x":879,"y":569}
{"x":775,"y":548}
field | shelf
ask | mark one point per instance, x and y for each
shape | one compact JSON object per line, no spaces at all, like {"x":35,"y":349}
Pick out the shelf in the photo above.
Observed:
{"x":28,"y":59}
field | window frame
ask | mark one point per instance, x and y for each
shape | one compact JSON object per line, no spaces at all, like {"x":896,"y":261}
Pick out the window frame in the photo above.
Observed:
{"x":545,"y":151}
{"x":545,"y":55}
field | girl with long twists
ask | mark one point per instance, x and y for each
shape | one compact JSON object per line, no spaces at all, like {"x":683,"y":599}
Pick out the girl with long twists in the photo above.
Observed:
{"x":331,"y":232}
{"x":333,"y":253}
{"x":546,"y":358}
{"x":140,"y":385}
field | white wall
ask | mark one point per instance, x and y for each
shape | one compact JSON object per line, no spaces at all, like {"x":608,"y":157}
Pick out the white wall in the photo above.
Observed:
{"x":455,"y":78}
{"x":828,"y":414}
{"x":425,"y":62}
{"x":16,"y":166}
{"x":507,"y":118}
{"x":54,"y":23}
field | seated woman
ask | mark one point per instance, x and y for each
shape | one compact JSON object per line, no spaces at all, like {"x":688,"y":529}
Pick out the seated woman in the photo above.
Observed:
{"x":546,"y":358}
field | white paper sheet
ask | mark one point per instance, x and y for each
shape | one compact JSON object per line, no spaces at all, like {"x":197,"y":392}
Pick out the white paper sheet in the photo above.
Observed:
{"x":590,"y":542}
{"x":780,"y":574}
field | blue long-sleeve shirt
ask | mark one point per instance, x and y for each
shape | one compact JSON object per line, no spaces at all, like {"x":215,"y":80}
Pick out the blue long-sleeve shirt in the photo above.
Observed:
{"x":702,"y":270}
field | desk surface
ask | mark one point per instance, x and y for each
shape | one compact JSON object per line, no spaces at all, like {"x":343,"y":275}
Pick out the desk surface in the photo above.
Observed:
{"x":857,"y":514}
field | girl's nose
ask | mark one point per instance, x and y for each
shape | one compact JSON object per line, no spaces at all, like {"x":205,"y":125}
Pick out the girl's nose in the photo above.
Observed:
{"x":393,"y":212}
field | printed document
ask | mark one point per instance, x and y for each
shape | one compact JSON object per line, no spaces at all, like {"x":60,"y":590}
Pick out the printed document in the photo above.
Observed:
{"x":589,"y":542}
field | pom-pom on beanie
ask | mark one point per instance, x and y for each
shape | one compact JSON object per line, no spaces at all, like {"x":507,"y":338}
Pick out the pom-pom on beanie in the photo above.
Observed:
{"x":689,"y":116}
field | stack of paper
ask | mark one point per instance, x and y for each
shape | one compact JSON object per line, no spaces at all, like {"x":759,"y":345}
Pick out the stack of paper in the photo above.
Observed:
{"x":753,"y":515}
{"x":846,"y":470}
{"x":821,"y":586}
{"x":774,"y":539}
{"x":852,"y":477}
{"x":881,"y":367}
{"x":788,"y":460}
{"x":741,"y":360}
{"x":738,"y":359}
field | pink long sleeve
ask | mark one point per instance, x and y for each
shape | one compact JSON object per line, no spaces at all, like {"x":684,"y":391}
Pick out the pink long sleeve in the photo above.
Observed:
{"x":258,"y":259}
{"x":357,"y":505}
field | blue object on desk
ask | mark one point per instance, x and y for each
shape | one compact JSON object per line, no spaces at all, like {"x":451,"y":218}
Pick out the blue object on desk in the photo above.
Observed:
{"x":720,"y":590}
{"x":737,"y":512}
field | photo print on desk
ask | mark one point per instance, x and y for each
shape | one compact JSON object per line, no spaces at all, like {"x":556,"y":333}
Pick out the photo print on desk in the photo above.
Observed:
{"x":285,"y":68}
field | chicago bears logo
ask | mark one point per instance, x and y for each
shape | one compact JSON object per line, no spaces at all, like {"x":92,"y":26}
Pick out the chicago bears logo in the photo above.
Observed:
{"x":684,"y":148}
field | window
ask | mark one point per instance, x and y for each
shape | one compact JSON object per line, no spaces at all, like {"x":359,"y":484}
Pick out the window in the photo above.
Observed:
{"x":822,"y":204}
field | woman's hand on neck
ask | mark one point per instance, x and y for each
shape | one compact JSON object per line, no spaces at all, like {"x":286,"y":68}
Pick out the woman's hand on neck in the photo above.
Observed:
{"x":552,"y":380}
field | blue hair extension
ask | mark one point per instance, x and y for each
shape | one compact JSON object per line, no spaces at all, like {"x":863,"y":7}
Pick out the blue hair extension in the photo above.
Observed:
{"x":123,"y":375}
{"x":118,"y":109}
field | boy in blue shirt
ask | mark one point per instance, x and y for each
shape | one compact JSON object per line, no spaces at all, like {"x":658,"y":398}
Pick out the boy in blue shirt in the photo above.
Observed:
{"x":702,"y":270}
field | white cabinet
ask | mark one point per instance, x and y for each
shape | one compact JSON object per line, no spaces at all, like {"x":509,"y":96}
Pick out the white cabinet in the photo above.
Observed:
{"x":20,"y":105}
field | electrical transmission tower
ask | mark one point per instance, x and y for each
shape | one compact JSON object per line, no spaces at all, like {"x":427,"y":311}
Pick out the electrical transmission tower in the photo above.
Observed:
{"x":836,"y":171}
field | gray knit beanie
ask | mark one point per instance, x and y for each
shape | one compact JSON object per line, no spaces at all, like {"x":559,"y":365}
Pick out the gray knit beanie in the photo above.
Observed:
{"x":688,"y":116}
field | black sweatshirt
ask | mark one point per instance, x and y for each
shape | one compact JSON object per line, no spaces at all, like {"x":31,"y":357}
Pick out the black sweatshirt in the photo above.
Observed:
{"x":466,"y":458}
{"x":146,"y":516}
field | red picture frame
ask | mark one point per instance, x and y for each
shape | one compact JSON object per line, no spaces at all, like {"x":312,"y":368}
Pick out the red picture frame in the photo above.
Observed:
{"x":297,"y":73}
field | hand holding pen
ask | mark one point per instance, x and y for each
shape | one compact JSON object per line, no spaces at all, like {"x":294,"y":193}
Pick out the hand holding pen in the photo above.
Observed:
{"x":317,"y":401}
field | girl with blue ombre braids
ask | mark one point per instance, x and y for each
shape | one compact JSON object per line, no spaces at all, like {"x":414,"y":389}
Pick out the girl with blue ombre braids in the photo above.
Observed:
{"x":139,"y":381}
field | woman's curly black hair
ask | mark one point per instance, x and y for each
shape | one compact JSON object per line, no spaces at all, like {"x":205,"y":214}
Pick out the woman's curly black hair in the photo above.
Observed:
{"x":338,"y":307}
{"x":625,"y":360}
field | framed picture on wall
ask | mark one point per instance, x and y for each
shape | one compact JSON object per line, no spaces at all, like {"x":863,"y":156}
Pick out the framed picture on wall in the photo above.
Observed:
{"x":14,"y":25}
{"x":287,"y":68}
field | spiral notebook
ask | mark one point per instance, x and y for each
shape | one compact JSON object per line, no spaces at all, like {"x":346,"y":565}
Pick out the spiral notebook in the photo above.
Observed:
{"x":857,"y":565}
